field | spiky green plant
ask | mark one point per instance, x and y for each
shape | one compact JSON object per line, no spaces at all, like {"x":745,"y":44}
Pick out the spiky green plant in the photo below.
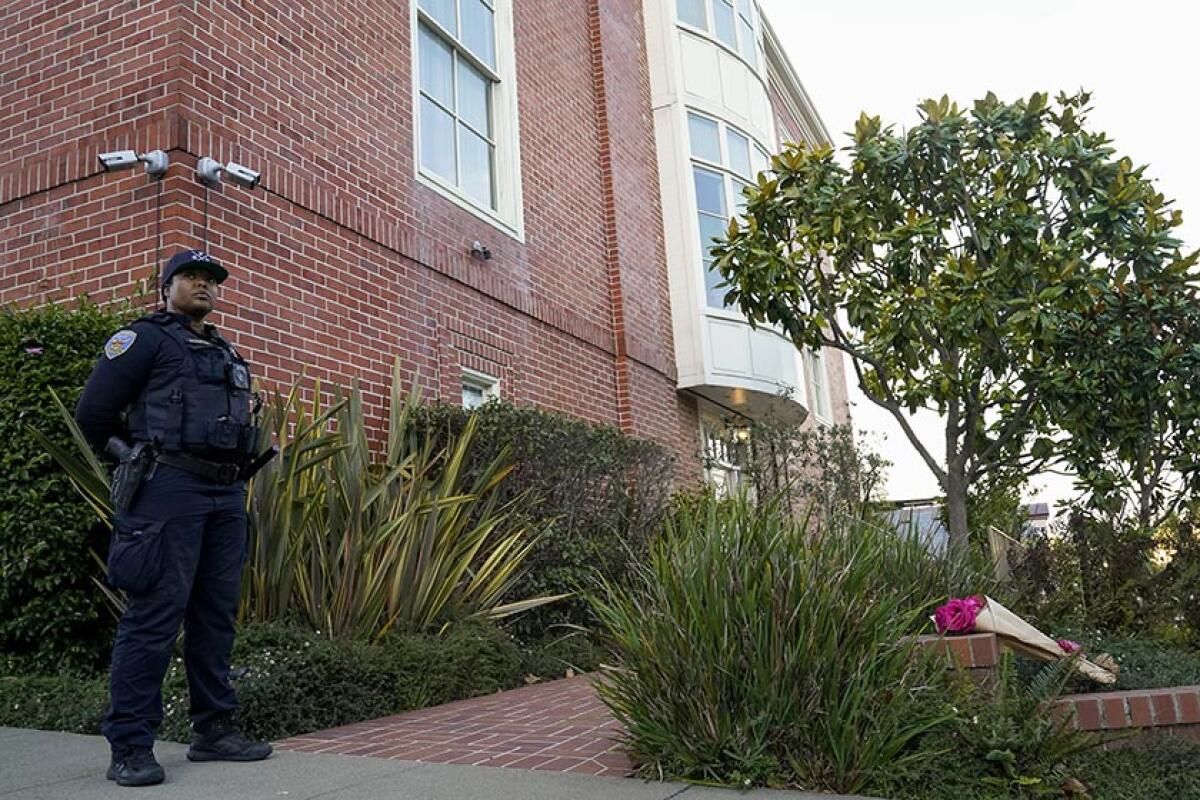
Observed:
{"x":283,"y":498}
{"x":90,"y":479}
{"x":751,"y":650}
{"x":354,"y":547}
{"x":357,"y":547}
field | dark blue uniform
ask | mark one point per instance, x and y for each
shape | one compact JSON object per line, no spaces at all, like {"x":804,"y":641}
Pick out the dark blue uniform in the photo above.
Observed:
{"x":189,"y":394}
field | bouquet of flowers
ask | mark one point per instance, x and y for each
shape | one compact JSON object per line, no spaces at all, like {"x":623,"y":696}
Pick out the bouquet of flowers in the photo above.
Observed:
{"x":981,"y":614}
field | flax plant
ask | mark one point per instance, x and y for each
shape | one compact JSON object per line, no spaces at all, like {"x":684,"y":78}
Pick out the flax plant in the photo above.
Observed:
{"x":90,"y":479}
{"x":355,"y":547}
{"x":750,"y":650}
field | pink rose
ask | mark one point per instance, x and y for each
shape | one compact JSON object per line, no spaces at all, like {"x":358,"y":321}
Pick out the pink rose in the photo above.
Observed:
{"x":1068,"y":646}
{"x":957,"y":616}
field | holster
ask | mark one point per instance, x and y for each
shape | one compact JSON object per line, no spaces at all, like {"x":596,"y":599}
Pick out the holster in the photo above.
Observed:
{"x":133,"y":466}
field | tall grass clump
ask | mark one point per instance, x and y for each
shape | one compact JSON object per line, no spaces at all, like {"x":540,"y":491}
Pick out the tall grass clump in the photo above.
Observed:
{"x":751,"y":650}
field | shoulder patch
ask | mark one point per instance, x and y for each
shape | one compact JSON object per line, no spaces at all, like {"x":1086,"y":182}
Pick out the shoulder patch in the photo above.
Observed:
{"x":119,"y":343}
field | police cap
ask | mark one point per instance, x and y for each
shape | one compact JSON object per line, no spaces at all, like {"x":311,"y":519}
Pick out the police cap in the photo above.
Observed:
{"x":194,"y":259}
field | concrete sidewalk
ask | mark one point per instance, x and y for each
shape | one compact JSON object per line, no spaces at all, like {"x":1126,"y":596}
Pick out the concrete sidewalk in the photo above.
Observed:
{"x":41,"y":765}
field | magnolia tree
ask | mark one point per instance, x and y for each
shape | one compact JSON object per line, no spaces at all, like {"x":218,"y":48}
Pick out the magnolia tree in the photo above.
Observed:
{"x":1128,"y":398}
{"x":944,"y":262}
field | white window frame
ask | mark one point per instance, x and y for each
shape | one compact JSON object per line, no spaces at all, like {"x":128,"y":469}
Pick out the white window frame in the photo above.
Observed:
{"x":731,"y":185}
{"x":818,"y":380}
{"x":508,"y":216}
{"x":709,"y":31}
{"x":489,"y":385}
{"x":720,"y":470}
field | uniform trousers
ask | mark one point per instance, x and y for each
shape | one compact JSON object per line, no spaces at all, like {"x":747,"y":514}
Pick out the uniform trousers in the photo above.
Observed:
{"x":203,"y":549}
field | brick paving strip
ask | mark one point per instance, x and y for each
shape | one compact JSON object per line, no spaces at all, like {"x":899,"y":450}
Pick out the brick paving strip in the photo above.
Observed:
{"x":558,"y":726}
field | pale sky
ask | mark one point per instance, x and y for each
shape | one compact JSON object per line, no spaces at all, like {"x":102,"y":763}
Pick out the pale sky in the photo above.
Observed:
{"x":1138,"y":59}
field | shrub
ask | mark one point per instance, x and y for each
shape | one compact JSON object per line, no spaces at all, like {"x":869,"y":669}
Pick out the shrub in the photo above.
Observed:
{"x":297,"y":682}
{"x":54,"y":703}
{"x":598,"y":495}
{"x":53,"y":616}
{"x":823,"y":468}
{"x":1109,"y":576}
{"x":1167,"y":768}
{"x":752,"y":651}
{"x":1004,"y":743}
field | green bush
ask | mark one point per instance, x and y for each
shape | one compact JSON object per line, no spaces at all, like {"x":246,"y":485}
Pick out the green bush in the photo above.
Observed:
{"x":1003,"y":743}
{"x":1168,"y":768}
{"x":603,"y":494}
{"x":54,"y":616}
{"x":750,"y":650}
{"x":1107,"y":576}
{"x":297,"y":681}
{"x":55,"y":703}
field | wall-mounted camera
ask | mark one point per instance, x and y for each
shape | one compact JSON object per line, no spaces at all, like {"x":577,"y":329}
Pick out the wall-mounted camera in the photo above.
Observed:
{"x":209,"y":171}
{"x":156,"y":161}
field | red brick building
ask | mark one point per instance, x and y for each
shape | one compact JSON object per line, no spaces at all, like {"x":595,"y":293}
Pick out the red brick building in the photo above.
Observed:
{"x":393,"y":139}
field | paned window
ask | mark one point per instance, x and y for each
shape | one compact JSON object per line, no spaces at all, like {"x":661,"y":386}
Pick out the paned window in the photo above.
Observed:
{"x":733,"y":23}
{"x":724,"y":162}
{"x":724,"y":454}
{"x":819,"y":381}
{"x":466,"y":112}
{"x":478,"y":388}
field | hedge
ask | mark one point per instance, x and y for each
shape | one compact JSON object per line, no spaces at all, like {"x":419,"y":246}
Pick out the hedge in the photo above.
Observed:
{"x":598,"y":495}
{"x":53,"y":614}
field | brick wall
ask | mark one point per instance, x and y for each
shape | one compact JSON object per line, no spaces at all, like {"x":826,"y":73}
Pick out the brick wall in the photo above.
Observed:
{"x":1121,"y":717}
{"x":341,"y":260}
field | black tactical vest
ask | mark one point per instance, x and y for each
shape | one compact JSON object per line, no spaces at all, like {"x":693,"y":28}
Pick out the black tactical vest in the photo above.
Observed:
{"x":205,"y":407}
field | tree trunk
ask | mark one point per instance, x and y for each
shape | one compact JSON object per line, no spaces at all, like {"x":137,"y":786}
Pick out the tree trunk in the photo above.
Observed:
{"x":956,"y":511}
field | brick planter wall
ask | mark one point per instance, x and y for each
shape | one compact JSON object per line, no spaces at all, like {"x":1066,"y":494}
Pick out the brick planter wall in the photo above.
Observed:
{"x":1129,"y":716}
{"x":979,"y":653}
{"x":1137,"y":715}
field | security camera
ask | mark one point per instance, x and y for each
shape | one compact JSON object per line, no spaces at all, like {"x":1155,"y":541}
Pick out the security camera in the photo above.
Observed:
{"x":118,"y":159}
{"x":209,"y":170}
{"x":243,"y":176}
{"x":156,"y":161}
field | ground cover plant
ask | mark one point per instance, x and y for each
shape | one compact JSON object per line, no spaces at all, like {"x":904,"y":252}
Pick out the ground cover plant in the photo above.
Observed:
{"x":297,"y":681}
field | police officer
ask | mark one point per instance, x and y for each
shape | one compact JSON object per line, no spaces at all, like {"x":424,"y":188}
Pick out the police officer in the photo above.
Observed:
{"x":179,"y":548}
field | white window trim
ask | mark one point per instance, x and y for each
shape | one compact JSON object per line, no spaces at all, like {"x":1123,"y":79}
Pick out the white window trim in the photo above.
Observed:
{"x":509,"y":216}
{"x":488,"y":384}
{"x":821,"y":388}
{"x":711,"y":35}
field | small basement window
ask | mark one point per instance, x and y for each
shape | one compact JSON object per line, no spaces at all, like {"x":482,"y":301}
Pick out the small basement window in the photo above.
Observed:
{"x":478,"y":388}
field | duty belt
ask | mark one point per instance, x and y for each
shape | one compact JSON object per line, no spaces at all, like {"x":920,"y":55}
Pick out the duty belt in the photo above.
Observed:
{"x":215,"y":471}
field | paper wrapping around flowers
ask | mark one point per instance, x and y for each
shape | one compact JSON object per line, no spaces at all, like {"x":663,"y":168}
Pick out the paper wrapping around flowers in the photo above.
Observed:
{"x":1017,"y":634}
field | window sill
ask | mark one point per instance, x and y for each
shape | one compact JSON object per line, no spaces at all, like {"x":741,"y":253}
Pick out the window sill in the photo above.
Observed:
{"x":513,"y":230}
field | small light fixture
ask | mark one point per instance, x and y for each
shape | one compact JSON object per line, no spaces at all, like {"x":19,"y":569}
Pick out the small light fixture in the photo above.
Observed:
{"x":156,"y":161}
{"x":478,"y":250}
{"x":738,"y":432}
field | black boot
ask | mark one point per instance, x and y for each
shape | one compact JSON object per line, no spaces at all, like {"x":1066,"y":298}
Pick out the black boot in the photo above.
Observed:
{"x":219,"y":741}
{"x":134,"y":766}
